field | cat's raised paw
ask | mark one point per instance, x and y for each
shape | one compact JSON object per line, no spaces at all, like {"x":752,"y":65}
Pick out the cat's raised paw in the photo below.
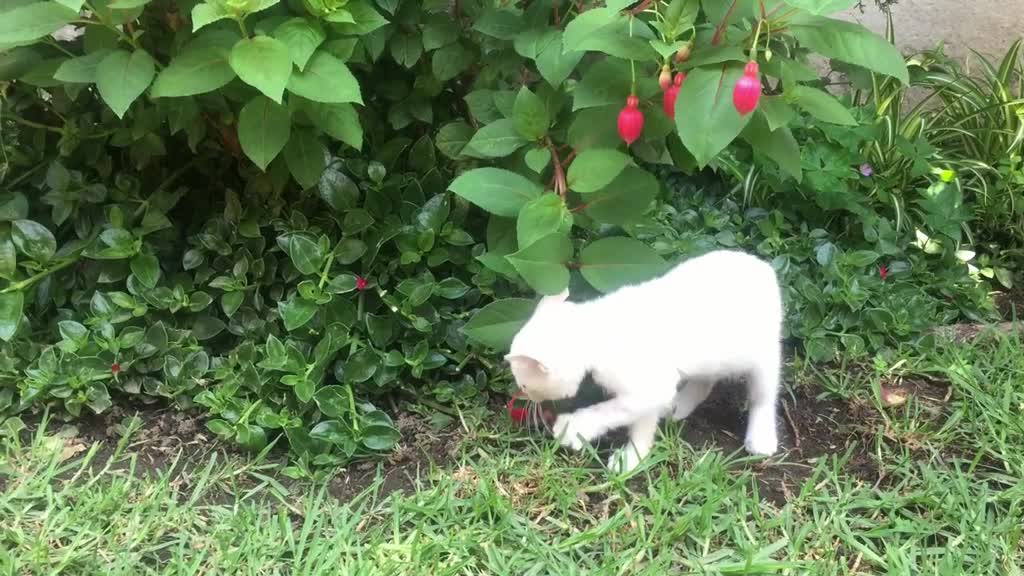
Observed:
{"x":570,"y":430}
{"x":623,"y":460}
{"x":762,"y":444}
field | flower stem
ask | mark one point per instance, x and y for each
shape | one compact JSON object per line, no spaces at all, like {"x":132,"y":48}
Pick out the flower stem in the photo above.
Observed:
{"x":28,"y":282}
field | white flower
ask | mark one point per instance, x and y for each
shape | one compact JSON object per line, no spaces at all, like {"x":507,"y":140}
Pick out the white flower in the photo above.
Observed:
{"x":68,"y":33}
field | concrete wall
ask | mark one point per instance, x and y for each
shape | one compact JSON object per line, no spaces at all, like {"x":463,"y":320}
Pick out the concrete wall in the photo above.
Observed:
{"x":987,"y":26}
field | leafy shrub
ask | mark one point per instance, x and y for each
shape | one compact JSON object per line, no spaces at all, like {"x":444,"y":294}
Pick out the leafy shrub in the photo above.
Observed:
{"x":243,"y":204}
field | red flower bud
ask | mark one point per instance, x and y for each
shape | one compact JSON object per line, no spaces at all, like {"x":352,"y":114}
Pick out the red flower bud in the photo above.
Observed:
{"x":631,"y":121}
{"x":516,"y":412}
{"x":748,"y":90}
{"x":669,"y":102}
{"x":115,"y":368}
{"x":361,"y":283}
{"x":883,"y":272}
{"x":665,"y":78}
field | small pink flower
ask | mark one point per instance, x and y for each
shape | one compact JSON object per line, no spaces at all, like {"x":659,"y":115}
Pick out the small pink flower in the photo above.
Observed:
{"x":361,"y":283}
{"x":115,"y":368}
{"x":883,"y":272}
{"x":866,"y":170}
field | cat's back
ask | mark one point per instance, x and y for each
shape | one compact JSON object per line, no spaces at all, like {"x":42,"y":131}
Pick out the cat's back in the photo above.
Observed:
{"x":724,"y":280}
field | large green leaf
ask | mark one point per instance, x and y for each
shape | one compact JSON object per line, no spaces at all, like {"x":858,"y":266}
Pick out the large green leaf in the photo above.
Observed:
{"x":530,"y":115}
{"x":605,"y":83}
{"x":554,"y":62}
{"x":296,"y":312}
{"x":608,"y":30}
{"x":453,"y":137}
{"x":11,"y":309}
{"x":32,"y":21}
{"x":33,"y":240}
{"x":496,"y":324}
{"x":496,"y":190}
{"x":302,"y":36}
{"x":263,"y":130}
{"x":776,"y":111}
{"x":339,"y":121}
{"x":542,"y":264}
{"x":81,"y":70}
{"x":851,"y":43}
{"x":326,"y":79}
{"x":496,"y":140}
{"x":779,"y":145}
{"x":305,"y":156}
{"x":541,"y":217}
{"x":706,"y":118}
{"x":594,"y":169}
{"x":201,"y":67}
{"x":822,"y":6}
{"x":624,"y":200}
{"x":821,"y":105}
{"x":450,"y":61}
{"x":264,"y":63}
{"x":122,"y":77}
{"x":611,"y":263}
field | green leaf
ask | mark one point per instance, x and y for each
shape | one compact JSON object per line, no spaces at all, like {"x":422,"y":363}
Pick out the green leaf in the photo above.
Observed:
{"x":776,"y":111}
{"x":862,"y":258}
{"x":200,"y":68}
{"x":540,"y":217}
{"x":81,"y":70}
{"x":147,"y":269}
{"x":302,"y":37}
{"x":453,"y":137}
{"x":337,"y":189}
{"x":821,"y":105}
{"x":342,"y":283}
{"x":779,"y":145}
{"x":680,"y":16}
{"x":439,"y":31}
{"x":349,"y":250}
{"x":496,"y":324}
{"x":499,"y":23}
{"x":230,"y":302}
{"x":542,"y":264}
{"x":605,"y":83}
{"x":851,"y":43}
{"x":339,"y":121}
{"x":496,"y":140}
{"x":326,"y":79}
{"x":361,"y":366}
{"x":306,"y":158}
{"x":625,"y":200}
{"x":332,"y":401}
{"x":263,"y":63}
{"x":530,"y":115}
{"x":706,"y":119}
{"x":264,"y":127}
{"x":450,"y":61}
{"x":555,"y":63}
{"x":122,"y":77}
{"x":26,"y":23}
{"x":610,"y":263}
{"x":820,"y":7}
{"x":608,"y":30}
{"x":594,"y":169}
{"x":8,"y":257}
{"x":538,"y":159}
{"x":452,"y":288}
{"x":296,"y":312}
{"x":33,"y":240}
{"x":206,"y":327}
{"x":496,"y":190}
{"x":205,"y":14}
{"x":11,"y":307}
{"x":305,"y":253}
{"x":406,"y":49}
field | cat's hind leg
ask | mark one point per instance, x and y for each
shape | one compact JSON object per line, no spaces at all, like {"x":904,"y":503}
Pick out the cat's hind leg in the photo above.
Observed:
{"x":763,"y":385}
{"x":694,"y":391}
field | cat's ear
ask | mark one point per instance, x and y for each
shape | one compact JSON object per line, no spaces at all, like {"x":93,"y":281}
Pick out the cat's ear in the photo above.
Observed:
{"x":554,"y":299}
{"x":526,"y":363}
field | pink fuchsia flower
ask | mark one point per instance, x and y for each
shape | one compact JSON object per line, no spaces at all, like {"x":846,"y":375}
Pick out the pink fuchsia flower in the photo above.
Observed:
{"x":866,"y":170}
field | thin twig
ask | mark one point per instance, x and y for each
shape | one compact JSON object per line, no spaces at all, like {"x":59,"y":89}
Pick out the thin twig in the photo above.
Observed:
{"x":792,"y":424}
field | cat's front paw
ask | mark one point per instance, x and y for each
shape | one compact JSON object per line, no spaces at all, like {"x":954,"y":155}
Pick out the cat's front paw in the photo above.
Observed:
{"x":571,"y":430}
{"x":623,"y":460}
{"x":762,"y":444}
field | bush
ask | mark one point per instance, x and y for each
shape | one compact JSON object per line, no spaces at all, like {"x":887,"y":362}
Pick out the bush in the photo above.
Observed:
{"x":243,"y":204}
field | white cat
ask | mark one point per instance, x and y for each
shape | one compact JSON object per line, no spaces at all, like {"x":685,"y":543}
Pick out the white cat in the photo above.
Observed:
{"x":716,"y":315}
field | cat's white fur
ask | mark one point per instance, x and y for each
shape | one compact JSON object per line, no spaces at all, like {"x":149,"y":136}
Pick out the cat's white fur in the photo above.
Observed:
{"x":713,"y":316}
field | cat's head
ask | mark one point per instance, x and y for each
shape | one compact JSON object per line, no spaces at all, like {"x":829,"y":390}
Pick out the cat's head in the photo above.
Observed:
{"x":543,"y":357}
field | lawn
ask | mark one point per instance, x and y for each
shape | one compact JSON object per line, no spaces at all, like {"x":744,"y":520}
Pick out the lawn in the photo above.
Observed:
{"x":910,"y":465}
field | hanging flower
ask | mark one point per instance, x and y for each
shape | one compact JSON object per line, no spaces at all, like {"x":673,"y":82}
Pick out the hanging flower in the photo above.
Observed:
{"x":748,"y":90}
{"x":669,"y":103}
{"x":631,"y":121}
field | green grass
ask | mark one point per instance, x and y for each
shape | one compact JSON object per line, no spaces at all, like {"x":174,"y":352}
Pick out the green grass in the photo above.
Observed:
{"x":933,"y":486}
